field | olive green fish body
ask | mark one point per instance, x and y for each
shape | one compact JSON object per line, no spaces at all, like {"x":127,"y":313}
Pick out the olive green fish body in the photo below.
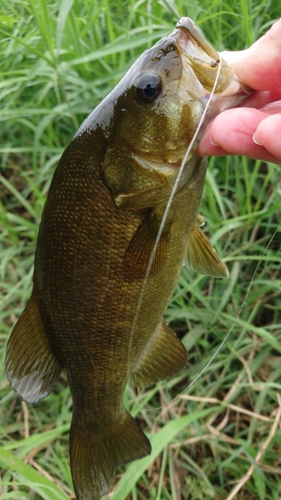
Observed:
{"x":98,"y":300}
{"x":89,"y":287}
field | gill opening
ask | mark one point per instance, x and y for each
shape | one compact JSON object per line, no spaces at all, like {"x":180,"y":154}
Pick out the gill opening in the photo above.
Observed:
{"x":168,"y":206}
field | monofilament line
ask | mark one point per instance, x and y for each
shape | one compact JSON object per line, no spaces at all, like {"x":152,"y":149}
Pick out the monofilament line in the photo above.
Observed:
{"x":231,"y":329}
{"x":168,"y":206}
{"x":235,"y":321}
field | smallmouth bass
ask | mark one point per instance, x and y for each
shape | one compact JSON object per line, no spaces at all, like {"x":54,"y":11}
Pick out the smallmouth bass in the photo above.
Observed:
{"x":99,"y":226}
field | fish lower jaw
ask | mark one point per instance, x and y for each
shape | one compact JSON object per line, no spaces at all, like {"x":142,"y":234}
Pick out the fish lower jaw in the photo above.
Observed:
{"x":237,"y":88}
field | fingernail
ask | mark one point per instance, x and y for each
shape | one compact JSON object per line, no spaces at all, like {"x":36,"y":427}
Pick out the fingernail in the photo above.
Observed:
{"x":256,"y":141}
{"x":213,"y":143}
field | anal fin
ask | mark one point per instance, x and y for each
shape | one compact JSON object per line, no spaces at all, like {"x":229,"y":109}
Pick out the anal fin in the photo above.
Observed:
{"x":31,"y":366}
{"x":163,"y":357}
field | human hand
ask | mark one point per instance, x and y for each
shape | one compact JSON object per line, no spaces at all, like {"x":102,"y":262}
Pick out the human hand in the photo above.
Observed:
{"x":254,"y":129}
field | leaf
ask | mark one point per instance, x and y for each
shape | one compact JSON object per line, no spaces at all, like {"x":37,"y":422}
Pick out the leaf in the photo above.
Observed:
{"x":260,"y":484}
{"x":114,"y":49}
{"x":63,"y":13}
{"x":36,"y":440}
{"x":32,"y":479}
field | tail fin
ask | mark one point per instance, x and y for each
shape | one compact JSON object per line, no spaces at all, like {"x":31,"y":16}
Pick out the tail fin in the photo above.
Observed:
{"x":94,"y":456}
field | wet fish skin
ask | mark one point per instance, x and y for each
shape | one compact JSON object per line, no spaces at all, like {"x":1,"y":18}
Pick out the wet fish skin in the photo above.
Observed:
{"x":99,"y":226}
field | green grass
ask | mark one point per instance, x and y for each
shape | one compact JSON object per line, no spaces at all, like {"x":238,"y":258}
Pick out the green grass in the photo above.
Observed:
{"x":58,"y":60}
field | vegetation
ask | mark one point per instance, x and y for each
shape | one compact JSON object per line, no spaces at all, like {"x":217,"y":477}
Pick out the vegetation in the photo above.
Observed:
{"x":220,"y":438}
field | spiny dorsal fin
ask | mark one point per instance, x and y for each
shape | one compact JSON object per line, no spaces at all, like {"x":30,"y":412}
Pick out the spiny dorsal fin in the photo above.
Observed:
{"x":163,"y":357}
{"x":31,"y":367}
{"x":201,"y":255}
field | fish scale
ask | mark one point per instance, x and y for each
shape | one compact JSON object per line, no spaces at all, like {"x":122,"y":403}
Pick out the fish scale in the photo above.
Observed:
{"x":93,"y":311}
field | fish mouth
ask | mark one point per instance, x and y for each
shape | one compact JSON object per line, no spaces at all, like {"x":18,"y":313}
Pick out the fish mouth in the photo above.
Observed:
{"x":194,"y":44}
{"x":206,"y":63}
{"x":205,"y":72}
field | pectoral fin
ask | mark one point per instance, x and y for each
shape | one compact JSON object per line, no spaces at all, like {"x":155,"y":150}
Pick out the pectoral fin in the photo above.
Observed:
{"x":139,"y":252}
{"x":31,"y":366}
{"x":201,"y":255}
{"x":163,"y":357}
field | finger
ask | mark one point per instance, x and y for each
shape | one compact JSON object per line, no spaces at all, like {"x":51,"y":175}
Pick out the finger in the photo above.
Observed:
{"x":272,"y":108}
{"x":268,"y":134}
{"x":260,"y":99}
{"x":259,"y":67}
{"x":206,"y":146}
{"x":232,"y":133}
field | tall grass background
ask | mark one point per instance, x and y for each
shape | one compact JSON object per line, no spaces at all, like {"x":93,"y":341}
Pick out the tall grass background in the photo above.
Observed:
{"x":221,"y":439}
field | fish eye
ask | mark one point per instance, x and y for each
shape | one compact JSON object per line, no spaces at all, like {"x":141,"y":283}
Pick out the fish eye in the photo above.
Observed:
{"x":148,"y":88}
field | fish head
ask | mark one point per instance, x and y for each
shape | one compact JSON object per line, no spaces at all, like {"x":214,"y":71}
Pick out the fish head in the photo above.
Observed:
{"x":155,"y":110}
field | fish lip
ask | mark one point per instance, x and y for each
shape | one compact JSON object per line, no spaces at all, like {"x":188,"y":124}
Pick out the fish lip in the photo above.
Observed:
{"x":192,"y":43}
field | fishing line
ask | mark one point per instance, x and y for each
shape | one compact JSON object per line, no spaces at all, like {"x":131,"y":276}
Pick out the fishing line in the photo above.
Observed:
{"x":236,"y":319}
{"x":168,"y":206}
{"x":228,"y":333}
